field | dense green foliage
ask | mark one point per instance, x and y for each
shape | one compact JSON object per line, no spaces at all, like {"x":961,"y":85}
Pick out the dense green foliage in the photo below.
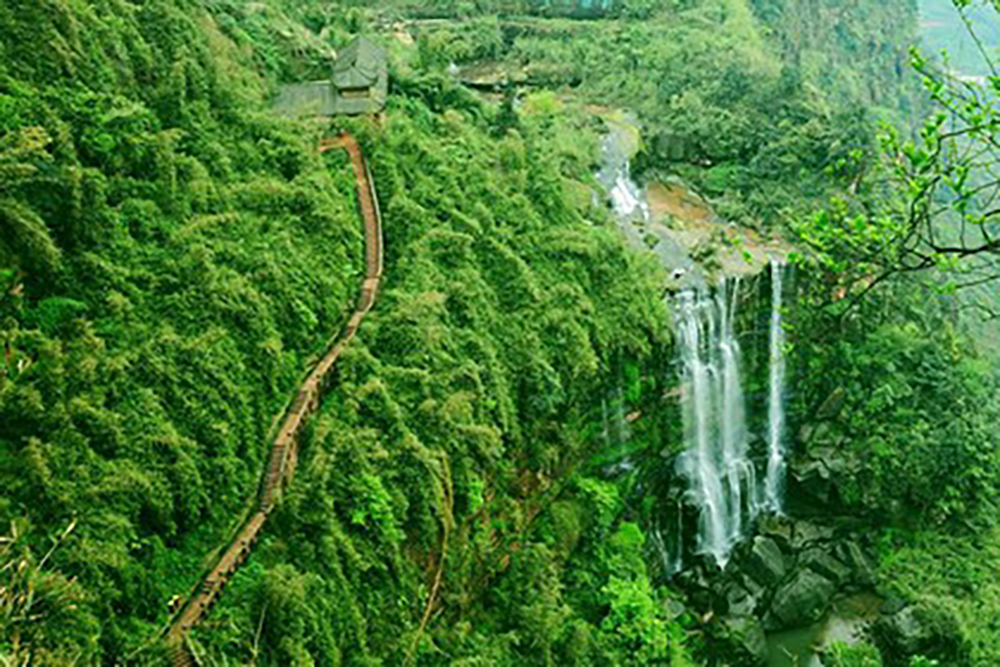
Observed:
{"x":765,"y":106}
{"x":918,"y":406}
{"x":953,"y":575}
{"x":890,"y":263}
{"x":172,"y":256}
{"x":443,"y":474}
{"x":898,"y":320}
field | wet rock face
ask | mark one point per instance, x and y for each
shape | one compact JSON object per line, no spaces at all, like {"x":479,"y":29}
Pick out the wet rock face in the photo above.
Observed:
{"x":778,"y":529}
{"x":813,"y":478}
{"x":824,"y":564}
{"x":852,"y":555}
{"x":822,"y":462}
{"x":806,"y":534}
{"x":740,"y":601}
{"x":789,"y":575}
{"x":746,"y":635}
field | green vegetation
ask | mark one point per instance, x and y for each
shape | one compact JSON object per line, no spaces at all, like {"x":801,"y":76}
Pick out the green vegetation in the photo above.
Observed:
{"x":858,"y":655}
{"x":173,"y":256}
{"x":953,"y":574}
{"x":442,"y":506}
{"x":766,"y":107}
{"x":903,"y":279}
{"x":895,"y":266}
{"x":919,"y":405}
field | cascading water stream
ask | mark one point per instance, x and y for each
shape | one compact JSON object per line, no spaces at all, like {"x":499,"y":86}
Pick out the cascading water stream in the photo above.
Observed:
{"x":775,"y":479}
{"x":738,"y":468}
{"x":725,"y":485}
{"x":720,"y":474}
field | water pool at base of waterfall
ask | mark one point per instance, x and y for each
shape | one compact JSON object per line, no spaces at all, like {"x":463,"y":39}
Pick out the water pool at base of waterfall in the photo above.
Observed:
{"x":845,"y":623}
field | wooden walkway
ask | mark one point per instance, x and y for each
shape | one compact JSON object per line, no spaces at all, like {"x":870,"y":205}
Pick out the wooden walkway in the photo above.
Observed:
{"x":284,"y":451}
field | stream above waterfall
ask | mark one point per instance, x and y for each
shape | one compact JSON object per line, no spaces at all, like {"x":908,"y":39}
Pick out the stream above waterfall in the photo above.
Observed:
{"x":631,"y":206}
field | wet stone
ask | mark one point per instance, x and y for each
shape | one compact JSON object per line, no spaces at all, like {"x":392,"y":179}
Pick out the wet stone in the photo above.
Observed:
{"x":748,"y":638}
{"x":852,"y":556}
{"x":777,"y":528}
{"x":801,"y":601}
{"x":765,"y":563}
{"x":821,"y":562}
{"x":807,"y":533}
{"x":739,"y":601}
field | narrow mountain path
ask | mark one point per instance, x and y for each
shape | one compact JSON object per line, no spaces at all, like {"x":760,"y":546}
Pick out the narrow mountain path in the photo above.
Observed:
{"x":284,"y":450}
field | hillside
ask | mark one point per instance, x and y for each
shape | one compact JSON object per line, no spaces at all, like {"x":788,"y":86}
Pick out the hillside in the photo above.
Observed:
{"x":173,"y":257}
{"x":177,"y":255}
{"x":546,"y":444}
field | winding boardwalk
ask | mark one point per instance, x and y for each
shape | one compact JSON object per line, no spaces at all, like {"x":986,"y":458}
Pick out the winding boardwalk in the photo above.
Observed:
{"x":281,"y":465}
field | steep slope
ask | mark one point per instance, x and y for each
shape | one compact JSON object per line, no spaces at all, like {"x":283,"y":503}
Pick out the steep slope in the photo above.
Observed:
{"x":171,"y":258}
{"x":283,"y":457}
{"x":441,"y":502}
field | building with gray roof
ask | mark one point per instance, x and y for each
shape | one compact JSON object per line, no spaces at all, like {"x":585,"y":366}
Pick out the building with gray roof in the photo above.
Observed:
{"x":358,"y":86}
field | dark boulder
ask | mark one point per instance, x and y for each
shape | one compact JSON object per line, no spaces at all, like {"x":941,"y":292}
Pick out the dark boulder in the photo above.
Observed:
{"x":821,"y":562}
{"x":806,"y":533}
{"x":801,"y":601}
{"x":862,"y":572}
{"x":755,"y":589}
{"x":921,"y":630}
{"x":702,"y":588}
{"x":778,"y":528}
{"x":814,"y":479}
{"x":809,"y":484}
{"x":746,"y":639}
{"x":817,"y":434}
{"x":765,"y":563}
{"x":738,"y":600}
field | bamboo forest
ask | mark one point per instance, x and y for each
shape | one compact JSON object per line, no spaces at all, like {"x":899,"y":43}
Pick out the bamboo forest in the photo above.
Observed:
{"x":500,"y":333}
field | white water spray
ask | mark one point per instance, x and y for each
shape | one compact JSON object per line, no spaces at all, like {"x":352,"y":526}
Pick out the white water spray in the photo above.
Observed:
{"x":775,"y":480}
{"x":671,"y":557}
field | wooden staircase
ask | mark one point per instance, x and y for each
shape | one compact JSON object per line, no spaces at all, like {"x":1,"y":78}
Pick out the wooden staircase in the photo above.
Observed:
{"x":284,"y":450}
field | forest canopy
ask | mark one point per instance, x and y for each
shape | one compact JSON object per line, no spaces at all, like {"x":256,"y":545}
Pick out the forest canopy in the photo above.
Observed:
{"x":484,"y":481}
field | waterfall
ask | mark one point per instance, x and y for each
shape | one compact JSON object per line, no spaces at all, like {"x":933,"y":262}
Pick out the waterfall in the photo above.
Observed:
{"x":774,"y":482}
{"x":671,"y":557}
{"x":720,"y":475}
{"x":723,"y":486}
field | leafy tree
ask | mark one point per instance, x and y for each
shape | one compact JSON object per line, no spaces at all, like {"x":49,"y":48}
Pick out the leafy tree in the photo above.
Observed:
{"x":929,"y":207}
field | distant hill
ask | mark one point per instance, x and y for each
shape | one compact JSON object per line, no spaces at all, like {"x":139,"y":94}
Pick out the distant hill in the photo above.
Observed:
{"x":941,"y":27}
